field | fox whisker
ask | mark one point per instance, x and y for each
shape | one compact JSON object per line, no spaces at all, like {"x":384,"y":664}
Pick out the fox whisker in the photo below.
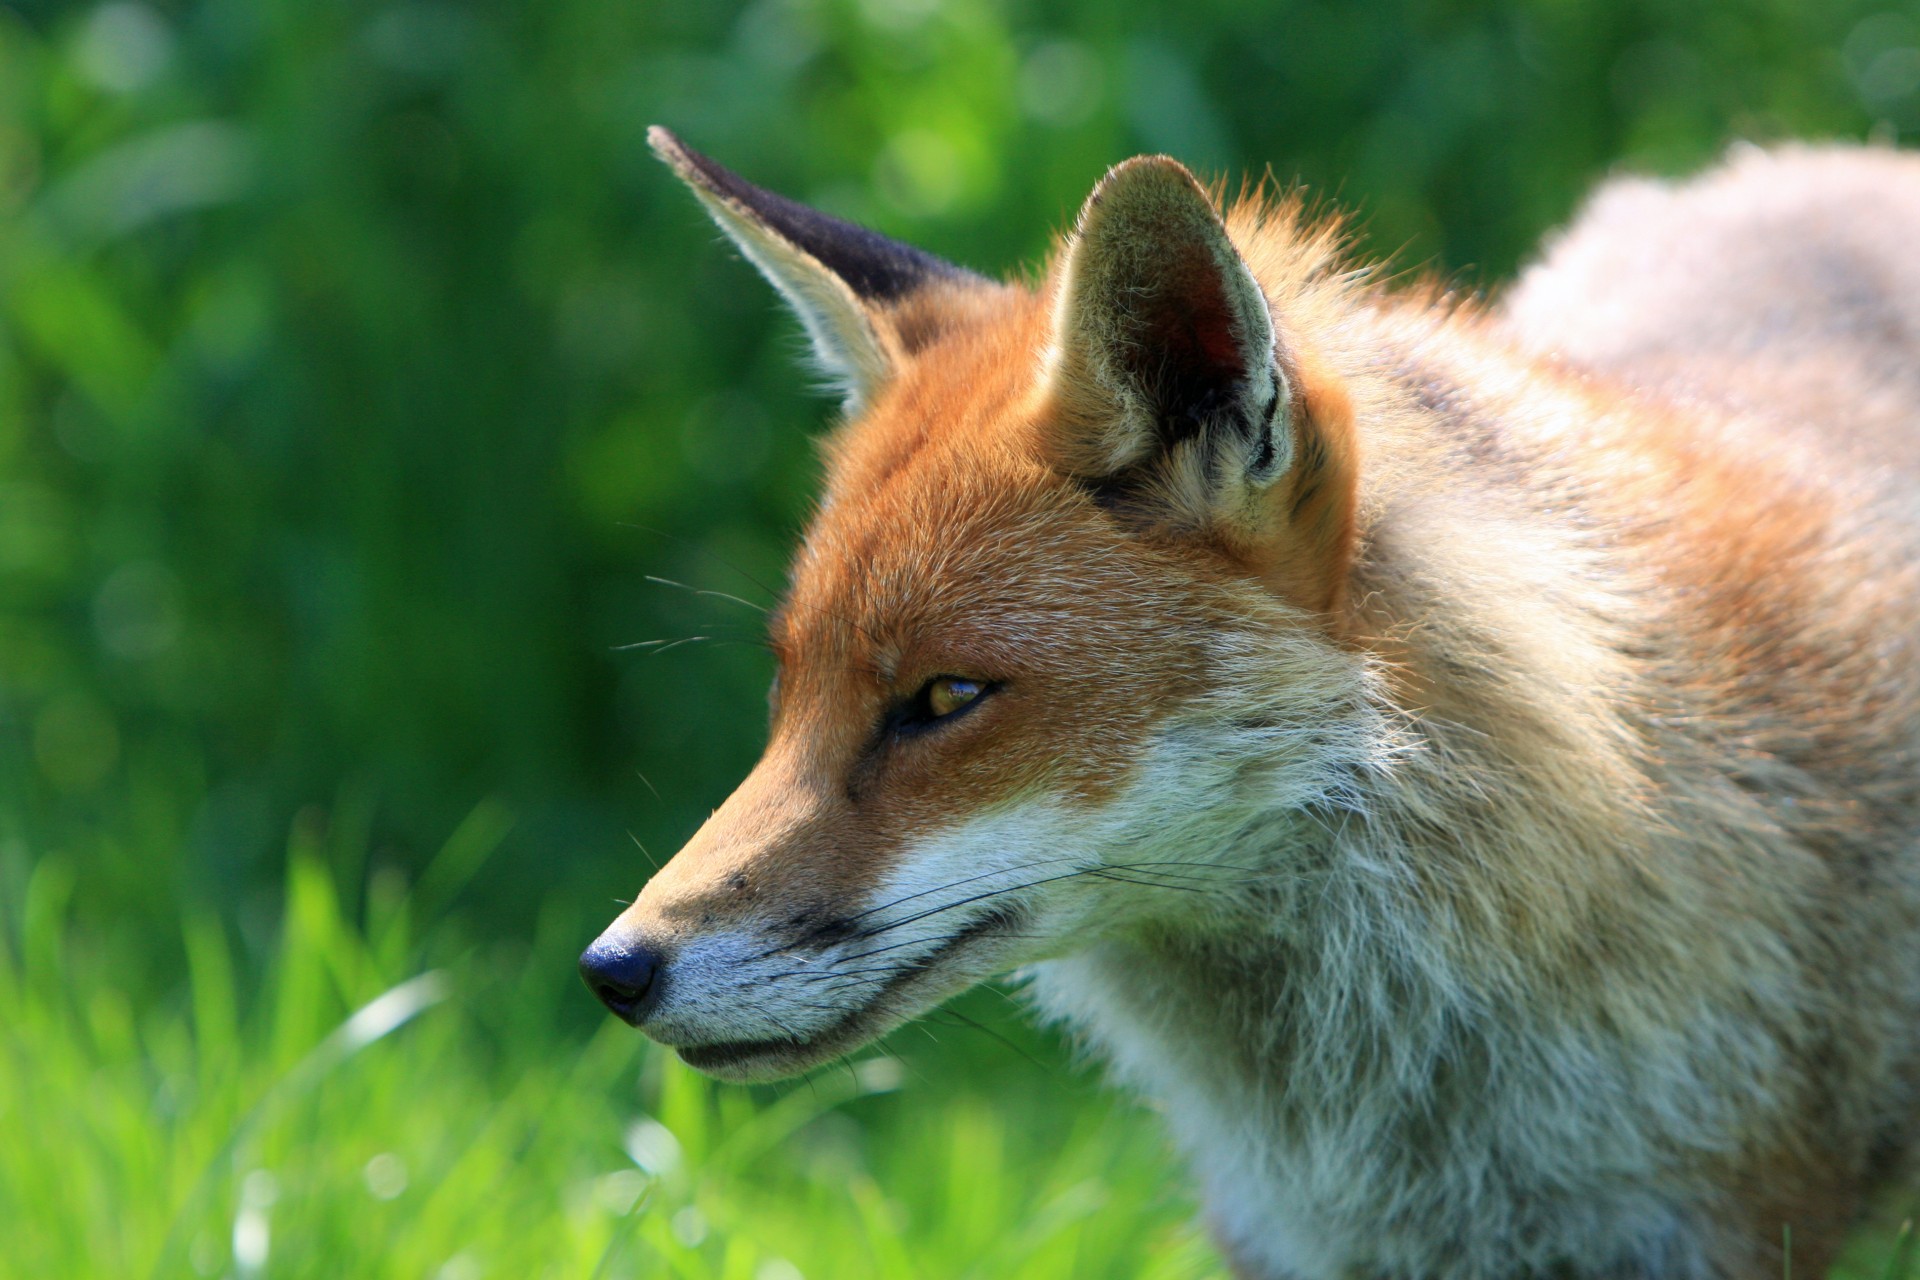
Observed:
{"x":709,"y":593}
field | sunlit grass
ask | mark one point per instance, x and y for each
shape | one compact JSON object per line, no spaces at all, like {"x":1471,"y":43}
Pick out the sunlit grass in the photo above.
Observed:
{"x":380,"y":1104}
{"x":378,"y":1101}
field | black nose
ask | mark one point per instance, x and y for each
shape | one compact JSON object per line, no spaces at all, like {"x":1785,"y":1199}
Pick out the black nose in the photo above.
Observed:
{"x":624,"y":974}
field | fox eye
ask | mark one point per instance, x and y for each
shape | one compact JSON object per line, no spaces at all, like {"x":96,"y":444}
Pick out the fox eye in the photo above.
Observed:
{"x":944,"y":695}
{"x":939,"y":700}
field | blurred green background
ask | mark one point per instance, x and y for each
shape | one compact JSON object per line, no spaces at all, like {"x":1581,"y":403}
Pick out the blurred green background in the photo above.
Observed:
{"x":360,"y":370}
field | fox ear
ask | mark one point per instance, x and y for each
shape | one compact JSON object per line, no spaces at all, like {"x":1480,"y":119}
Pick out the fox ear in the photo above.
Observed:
{"x":1170,"y":393}
{"x":1162,"y":335}
{"x":848,"y":285}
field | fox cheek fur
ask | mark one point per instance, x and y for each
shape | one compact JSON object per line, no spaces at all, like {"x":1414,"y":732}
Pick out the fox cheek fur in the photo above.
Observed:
{"x":1464,"y":764}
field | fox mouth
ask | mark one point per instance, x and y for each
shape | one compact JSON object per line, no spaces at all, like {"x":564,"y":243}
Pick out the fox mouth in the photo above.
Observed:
{"x":771,"y":1059}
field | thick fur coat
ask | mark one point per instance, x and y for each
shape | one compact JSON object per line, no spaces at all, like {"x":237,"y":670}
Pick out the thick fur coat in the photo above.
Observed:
{"x":1462,"y":761}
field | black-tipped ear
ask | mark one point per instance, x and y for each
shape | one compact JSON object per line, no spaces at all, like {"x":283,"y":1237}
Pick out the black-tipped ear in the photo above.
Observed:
{"x":844,"y":281}
{"x":1162,"y":337}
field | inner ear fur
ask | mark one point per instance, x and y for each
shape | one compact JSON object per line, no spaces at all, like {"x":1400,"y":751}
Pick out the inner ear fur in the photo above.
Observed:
{"x":1172,"y":395}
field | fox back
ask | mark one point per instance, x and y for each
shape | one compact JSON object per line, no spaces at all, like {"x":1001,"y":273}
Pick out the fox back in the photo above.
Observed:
{"x":1460,"y":761}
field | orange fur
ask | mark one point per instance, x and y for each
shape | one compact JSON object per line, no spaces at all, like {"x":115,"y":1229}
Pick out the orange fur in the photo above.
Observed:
{"x":1464,"y":761}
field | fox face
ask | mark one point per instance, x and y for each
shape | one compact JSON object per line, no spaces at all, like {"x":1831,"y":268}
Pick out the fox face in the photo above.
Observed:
{"x":1060,"y":639}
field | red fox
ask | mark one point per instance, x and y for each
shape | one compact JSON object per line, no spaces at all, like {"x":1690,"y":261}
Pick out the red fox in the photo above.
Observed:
{"x":1462,"y":760}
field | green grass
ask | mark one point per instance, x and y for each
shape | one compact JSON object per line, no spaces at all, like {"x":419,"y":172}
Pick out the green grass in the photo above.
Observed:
{"x":382,"y":1099}
{"x":378,"y":1102}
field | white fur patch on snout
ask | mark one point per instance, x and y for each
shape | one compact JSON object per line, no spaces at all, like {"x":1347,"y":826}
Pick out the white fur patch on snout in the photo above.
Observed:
{"x":956,"y":907}
{"x":742,"y":985}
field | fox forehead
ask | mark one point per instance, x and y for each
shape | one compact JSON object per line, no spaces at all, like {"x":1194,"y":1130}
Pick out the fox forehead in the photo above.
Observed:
{"x":1012,"y":579}
{"x":968,"y":394}
{"x":948,"y":546}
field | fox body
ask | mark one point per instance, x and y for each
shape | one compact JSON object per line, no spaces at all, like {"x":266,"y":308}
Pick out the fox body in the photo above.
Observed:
{"x":1461,"y":762}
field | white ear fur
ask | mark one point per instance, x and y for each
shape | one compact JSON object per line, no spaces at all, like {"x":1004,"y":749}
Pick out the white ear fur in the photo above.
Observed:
{"x":852,"y":357}
{"x":1267,"y":399}
{"x":843,"y":281}
{"x":1162,"y":333}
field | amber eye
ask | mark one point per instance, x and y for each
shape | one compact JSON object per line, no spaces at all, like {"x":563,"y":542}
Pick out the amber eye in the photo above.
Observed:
{"x":935,"y":704}
{"x":947,"y":694}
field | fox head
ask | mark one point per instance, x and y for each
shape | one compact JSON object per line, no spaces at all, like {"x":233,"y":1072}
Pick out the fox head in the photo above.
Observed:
{"x":1060,"y":658}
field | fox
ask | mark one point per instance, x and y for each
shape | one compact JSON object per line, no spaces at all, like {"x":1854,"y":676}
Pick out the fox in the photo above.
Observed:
{"x":1457,"y":756}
